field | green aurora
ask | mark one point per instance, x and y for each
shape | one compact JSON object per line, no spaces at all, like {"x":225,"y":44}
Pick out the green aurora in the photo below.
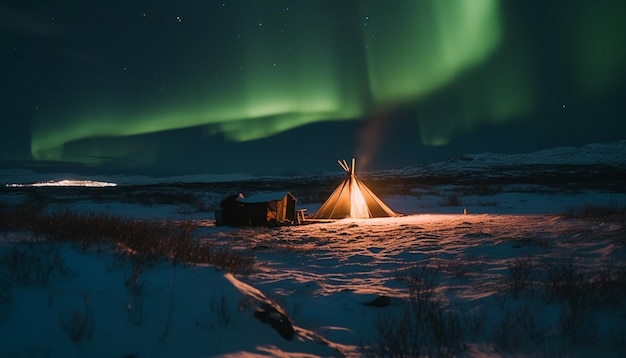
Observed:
{"x":274,"y":88}
{"x":249,"y":70}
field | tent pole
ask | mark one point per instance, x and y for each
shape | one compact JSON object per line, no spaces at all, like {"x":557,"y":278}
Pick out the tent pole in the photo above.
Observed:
{"x":344,"y":166}
{"x":352,"y":169}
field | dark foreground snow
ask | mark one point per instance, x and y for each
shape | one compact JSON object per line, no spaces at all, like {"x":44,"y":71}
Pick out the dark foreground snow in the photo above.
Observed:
{"x":516,"y":276}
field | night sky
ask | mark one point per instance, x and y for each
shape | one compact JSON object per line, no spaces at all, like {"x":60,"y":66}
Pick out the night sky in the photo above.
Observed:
{"x":272,"y":87}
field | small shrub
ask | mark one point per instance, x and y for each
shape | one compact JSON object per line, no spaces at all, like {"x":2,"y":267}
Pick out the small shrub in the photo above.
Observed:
{"x":446,"y":332}
{"x":421,"y":281}
{"x":440,"y":333}
{"x":32,"y":262}
{"x":396,"y":338}
{"x":609,"y":211}
{"x":426,"y":328}
{"x":452,"y":201}
{"x":474,"y":323}
{"x":506,"y":334}
{"x":222,"y":310}
{"x":487,"y":190}
{"x":292,"y":307}
{"x":500,"y":297}
{"x":133,"y":283}
{"x":236,"y":262}
{"x":533,"y":329}
{"x":576,"y":324}
{"x":519,"y":275}
{"x":453,"y":268}
{"x":135,"y":312}
{"x":136,"y":288}
{"x":534,"y":241}
{"x":78,"y":325}
{"x":609,"y":286}
{"x":565,"y":282}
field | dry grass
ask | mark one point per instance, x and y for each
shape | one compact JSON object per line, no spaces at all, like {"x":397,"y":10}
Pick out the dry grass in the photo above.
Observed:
{"x":429,"y":325}
{"x":610,"y":211}
{"x":145,"y":241}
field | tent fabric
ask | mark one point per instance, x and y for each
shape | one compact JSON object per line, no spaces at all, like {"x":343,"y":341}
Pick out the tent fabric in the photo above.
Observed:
{"x":352,"y":199}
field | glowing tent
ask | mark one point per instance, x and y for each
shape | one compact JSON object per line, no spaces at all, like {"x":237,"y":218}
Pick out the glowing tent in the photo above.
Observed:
{"x":352,"y":199}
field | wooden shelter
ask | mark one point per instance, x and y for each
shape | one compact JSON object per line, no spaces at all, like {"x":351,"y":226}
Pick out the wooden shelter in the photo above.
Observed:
{"x":262,"y":209}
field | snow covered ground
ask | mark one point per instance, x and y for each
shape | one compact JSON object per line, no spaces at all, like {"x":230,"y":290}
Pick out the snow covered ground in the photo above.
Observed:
{"x":515,"y":276}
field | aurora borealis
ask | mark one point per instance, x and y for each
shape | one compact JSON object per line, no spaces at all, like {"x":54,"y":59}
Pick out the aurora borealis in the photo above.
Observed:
{"x":218,"y":86}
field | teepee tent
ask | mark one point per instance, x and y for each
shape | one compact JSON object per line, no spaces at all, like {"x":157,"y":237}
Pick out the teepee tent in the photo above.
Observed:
{"x":352,"y":199}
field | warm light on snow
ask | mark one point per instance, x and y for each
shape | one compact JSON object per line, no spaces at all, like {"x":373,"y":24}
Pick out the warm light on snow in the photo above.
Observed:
{"x":65,"y":182}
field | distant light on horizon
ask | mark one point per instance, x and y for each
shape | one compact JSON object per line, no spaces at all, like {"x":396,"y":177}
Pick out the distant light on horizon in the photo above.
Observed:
{"x":65,"y":183}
